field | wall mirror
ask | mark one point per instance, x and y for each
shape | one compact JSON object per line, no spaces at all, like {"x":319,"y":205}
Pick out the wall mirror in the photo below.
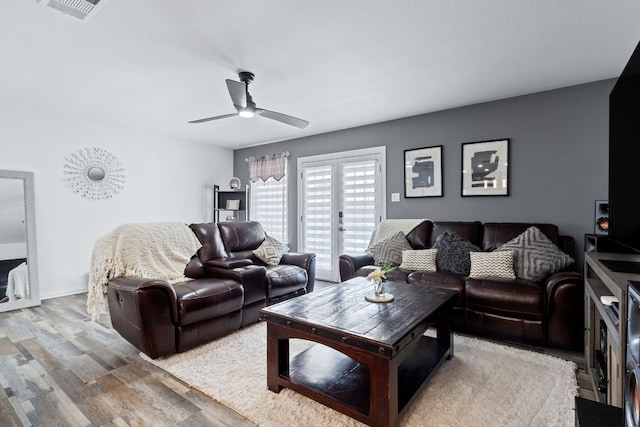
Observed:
{"x":19,"y":287}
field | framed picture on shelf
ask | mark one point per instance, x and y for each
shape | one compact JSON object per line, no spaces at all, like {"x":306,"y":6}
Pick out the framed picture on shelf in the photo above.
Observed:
{"x":232,"y":205}
{"x":485,"y":168}
{"x":423,"y":172}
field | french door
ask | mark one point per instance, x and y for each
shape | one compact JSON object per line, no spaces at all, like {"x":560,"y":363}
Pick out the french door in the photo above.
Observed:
{"x":340,"y":202}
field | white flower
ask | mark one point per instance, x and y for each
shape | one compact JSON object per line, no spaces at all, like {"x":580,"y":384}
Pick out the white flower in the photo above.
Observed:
{"x":377,"y":275}
{"x":380,"y":274}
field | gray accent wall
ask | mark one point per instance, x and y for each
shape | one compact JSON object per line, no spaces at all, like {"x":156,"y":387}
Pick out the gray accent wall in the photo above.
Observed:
{"x":558,"y":158}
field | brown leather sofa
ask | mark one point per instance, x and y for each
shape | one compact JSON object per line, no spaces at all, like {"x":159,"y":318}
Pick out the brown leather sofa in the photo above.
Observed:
{"x":549,"y":312}
{"x":230,"y":287}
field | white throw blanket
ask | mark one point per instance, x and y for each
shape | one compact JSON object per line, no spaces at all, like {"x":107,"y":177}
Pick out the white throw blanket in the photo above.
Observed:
{"x":155,"y":250}
{"x":389,"y":227}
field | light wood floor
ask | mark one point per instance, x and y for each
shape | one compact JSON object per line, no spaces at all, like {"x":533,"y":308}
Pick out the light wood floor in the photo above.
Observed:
{"x":57,"y":368}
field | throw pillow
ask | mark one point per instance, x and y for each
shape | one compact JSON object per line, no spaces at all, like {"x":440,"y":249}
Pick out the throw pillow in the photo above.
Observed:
{"x":419,"y":260}
{"x":535,"y":255}
{"x":492,"y":264}
{"x":389,"y":250}
{"x":453,"y":252}
{"x":271,"y":251}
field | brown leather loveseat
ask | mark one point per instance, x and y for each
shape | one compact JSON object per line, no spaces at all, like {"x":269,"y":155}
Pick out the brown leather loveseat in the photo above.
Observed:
{"x":227,"y":253}
{"x":547,"y":312}
{"x":230,"y":287}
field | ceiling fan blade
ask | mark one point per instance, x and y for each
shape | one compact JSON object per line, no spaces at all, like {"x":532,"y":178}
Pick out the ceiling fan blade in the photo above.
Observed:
{"x":208,"y":119}
{"x":290,"y":120}
{"x":238,"y":93}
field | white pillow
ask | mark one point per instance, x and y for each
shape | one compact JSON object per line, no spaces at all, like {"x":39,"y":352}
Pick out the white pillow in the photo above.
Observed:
{"x":419,"y":260}
{"x":271,"y":251}
{"x":492,"y":264}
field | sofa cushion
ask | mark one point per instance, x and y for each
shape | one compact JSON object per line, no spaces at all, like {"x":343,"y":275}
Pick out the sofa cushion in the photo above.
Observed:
{"x":535,"y":255}
{"x":209,"y":236}
{"x":496,"y":234}
{"x":389,"y":250}
{"x":440,"y":279}
{"x":514,"y":298}
{"x":492,"y":264}
{"x":204,"y":299}
{"x":241,"y":235}
{"x":271,"y":251}
{"x":453,"y":253}
{"x":468,"y":230}
{"x":419,"y":260}
{"x":420,"y":236}
{"x":284,"y":279}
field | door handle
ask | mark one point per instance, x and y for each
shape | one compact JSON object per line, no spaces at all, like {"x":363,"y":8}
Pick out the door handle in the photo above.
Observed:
{"x":341,"y":229}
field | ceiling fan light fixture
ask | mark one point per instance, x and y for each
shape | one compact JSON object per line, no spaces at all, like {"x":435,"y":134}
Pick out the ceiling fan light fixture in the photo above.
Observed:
{"x":247,"y":112}
{"x":246,"y":108}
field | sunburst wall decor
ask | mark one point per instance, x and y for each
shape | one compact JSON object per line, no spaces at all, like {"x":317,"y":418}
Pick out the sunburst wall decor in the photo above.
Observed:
{"x":94,"y":173}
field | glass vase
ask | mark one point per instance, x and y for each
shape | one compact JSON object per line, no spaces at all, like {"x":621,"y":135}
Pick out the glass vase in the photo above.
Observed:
{"x":378,"y":288}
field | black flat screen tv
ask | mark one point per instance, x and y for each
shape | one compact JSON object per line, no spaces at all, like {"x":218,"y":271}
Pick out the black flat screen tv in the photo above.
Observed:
{"x":624,"y":156}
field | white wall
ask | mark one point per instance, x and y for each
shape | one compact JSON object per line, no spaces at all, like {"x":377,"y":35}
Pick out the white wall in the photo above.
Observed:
{"x":13,"y":251}
{"x":167,"y":180}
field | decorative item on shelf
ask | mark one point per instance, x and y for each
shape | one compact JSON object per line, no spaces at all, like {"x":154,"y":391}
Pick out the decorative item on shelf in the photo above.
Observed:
{"x":94,"y":173}
{"x":377,"y":278}
{"x":232,"y":205}
{"x":235,"y":183}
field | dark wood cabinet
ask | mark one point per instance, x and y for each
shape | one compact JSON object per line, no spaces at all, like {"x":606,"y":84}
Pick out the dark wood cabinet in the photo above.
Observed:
{"x":596,"y":414}
{"x":606,"y":334}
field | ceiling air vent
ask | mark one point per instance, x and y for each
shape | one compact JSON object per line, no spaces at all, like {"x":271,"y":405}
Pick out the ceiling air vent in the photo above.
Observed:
{"x":81,"y":9}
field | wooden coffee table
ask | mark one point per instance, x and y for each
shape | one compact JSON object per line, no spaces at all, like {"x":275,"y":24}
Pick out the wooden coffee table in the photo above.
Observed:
{"x":373,"y":358}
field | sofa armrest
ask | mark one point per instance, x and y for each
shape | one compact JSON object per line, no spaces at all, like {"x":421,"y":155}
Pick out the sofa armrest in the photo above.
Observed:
{"x":306,"y":261}
{"x":229,"y":263}
{"x":349,"y":264}
{"x":565,"y":309}
{"x":195,"y":268}
{"x":253,"y":279}
{"x":145,"y":312}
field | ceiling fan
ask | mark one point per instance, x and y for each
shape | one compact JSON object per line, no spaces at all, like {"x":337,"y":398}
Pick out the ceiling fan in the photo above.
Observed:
{"x":245,"y":107}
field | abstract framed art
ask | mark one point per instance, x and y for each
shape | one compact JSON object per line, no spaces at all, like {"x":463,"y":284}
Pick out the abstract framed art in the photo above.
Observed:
{"x":485,"y":168}
{"x":423,"y":172}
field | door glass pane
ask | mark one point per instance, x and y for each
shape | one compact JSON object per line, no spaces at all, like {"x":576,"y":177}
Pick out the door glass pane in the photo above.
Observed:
{"x":358,"y":205}
{"x":316,"y":211}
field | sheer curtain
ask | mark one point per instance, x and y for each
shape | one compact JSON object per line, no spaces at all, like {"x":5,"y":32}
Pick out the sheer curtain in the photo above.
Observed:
{"x":268,"y":175}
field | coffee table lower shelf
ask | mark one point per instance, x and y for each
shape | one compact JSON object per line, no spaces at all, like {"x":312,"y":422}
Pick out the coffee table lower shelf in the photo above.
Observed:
{"x":336,"y":380}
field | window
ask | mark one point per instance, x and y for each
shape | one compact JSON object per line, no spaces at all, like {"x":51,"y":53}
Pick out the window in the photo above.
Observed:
{"x":268,"y":195}
{"x":269,"y":206}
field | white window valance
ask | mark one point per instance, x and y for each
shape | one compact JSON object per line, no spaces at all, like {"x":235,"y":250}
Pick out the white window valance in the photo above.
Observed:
{"x":265,"y":167}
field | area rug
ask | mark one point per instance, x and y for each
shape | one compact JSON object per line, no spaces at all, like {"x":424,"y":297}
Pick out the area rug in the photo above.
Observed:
{"x":484,"y":384}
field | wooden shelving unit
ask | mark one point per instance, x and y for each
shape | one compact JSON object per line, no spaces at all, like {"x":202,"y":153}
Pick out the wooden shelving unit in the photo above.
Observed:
{"x":600,"y":281}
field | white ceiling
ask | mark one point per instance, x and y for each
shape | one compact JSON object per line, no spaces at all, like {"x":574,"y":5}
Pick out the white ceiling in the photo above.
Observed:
{"x":156,"y":64}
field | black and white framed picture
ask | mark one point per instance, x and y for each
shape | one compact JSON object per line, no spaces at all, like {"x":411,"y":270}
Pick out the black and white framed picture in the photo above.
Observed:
{"x":485,"y":168}
{"x":423,"y":172}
